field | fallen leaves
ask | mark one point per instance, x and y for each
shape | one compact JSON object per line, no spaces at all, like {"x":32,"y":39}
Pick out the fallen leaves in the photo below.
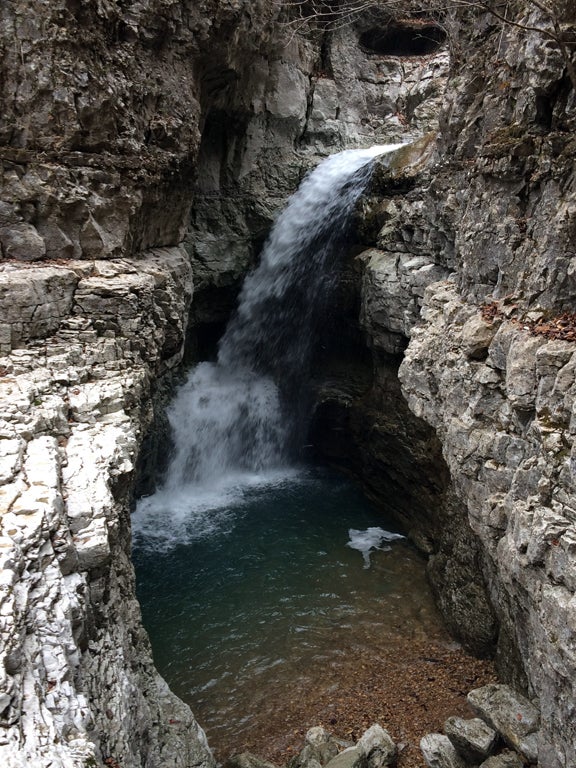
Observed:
{"x":562,"y":327}
{"x":559,"y":327}
{"x":411,"y":694}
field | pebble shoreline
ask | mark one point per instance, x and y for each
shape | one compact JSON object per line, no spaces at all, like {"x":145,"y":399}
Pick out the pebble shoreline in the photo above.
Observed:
{"x":410,"y":695}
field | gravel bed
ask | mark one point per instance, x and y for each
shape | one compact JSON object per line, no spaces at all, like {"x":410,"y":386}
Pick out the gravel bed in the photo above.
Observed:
{"x":409,"y":692}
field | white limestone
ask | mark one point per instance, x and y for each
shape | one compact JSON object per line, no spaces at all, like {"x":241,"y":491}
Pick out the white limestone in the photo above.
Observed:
{"x":71,"y":644}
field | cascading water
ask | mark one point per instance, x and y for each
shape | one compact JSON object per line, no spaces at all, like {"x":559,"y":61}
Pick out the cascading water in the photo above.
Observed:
{"x":239,"y":419}
{"x":310,"y":589}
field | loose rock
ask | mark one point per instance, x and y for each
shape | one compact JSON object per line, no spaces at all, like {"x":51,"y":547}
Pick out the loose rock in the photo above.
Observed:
{"x":510,"y":714}
{"x":439,"y":752}
{"x":473,"y":739}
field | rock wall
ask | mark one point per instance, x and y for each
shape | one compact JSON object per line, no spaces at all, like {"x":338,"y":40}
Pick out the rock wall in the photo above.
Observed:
{"x":363,"y":422}
{"x":136,"y":138}
{"x":78,"y":683}
{"x":280,"y":113}
{"x":99,"y":134}
{"x":490,"y":357}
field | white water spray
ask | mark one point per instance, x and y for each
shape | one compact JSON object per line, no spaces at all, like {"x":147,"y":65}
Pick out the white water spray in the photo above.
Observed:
{"x":235,"y":421}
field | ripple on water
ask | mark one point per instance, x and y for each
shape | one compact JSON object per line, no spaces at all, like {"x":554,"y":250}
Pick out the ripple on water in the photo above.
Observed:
{"x":273,"y":591}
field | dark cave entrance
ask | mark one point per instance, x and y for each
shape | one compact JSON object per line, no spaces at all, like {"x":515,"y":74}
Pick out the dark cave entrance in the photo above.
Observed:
{"x":406,"y":38}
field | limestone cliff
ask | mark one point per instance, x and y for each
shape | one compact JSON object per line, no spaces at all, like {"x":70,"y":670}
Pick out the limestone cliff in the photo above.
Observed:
{"x":146,"y":146}
{"x":490,"y":356}
{"x":135,"y":138}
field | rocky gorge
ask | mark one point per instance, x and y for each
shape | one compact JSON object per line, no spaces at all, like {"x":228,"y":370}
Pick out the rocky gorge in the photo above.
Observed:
{"x":146,"y":148}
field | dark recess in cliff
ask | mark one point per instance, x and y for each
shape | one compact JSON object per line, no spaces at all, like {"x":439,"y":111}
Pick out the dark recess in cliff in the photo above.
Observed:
{"x":404,"y":38}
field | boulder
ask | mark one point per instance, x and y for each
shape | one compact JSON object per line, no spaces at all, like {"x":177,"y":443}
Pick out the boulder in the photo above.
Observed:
{"x":476,"y":337}
{"x":473,"y":739}
{"x":317,"y":735}
{"x":377,"y":745}
{"x":247,"y":760}
{"x":320,"y":748}
{"x":352,"y":757}
{"x":22,"y":242}
{"x":439,"y":752}
{"x":516,"y":718}
{"x":504,"y":760}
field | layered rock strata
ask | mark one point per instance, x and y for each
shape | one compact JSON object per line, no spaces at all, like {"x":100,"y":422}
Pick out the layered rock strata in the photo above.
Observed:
{"x":490,"y":351}
{"x":116,"y":121}
{"x":78,"y":683}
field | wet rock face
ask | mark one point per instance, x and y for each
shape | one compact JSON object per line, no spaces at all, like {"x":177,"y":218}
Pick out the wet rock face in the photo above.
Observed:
{"x":363,"y":422}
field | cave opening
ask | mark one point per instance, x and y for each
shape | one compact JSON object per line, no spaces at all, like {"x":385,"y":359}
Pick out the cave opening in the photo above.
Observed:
{"x":405,"y":39}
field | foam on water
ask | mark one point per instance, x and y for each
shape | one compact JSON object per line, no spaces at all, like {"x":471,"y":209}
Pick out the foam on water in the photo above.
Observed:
{"x":371,"y":538}
{"x":179,"y":515}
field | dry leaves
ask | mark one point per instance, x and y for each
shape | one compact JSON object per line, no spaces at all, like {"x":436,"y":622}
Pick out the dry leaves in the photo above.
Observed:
{"x":562,"y":327}
{"x":411,"y":694}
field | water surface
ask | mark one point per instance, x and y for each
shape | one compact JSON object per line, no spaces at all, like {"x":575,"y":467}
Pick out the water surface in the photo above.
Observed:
{"x":267,"y":596}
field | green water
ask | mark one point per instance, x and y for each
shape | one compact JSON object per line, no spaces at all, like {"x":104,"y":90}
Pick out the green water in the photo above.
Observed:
{"x":262,"y":596}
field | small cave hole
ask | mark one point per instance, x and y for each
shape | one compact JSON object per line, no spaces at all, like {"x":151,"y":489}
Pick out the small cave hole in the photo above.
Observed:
{"x":413,"y":38}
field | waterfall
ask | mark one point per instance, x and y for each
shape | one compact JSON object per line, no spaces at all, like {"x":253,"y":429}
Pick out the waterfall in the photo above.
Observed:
{"x":236,"y":421}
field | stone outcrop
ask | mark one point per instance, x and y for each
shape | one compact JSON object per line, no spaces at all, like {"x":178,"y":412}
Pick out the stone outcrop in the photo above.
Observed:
{"x":494,"y":209}
{"x":505,"y":718}
{"x":78,"y":683}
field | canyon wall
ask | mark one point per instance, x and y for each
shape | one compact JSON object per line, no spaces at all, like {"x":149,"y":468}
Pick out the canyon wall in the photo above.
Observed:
{"x":145,"y":149}
{"x":100,"y":127}
{"x":471,"y":268}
